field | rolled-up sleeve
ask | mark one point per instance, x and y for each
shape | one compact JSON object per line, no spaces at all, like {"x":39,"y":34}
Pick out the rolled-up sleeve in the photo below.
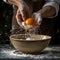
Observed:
{"x":5,"y":1}
{"x":53,"y":4}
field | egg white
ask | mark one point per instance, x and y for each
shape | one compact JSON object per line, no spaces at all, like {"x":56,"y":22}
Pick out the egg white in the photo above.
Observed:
{"x":26,"y":26}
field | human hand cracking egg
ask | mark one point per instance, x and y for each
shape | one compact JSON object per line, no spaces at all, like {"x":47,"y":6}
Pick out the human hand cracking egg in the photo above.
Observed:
{"x":29,"y":23}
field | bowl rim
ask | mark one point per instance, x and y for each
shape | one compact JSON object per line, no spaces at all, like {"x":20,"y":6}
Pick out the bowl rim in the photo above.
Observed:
{"x":16,"y":39}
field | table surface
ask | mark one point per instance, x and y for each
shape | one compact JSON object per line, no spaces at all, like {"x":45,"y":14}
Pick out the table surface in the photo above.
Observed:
{"x":50,"y":52}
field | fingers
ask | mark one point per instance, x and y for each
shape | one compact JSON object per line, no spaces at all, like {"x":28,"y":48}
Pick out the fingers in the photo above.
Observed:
{"x":37,"y":17}
{"x":24,"y":14}
{"x":18,"y":18}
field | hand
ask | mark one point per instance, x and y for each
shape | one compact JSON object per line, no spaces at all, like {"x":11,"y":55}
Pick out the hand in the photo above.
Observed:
{"x":37,"y":17}
{"x":23,"y":13}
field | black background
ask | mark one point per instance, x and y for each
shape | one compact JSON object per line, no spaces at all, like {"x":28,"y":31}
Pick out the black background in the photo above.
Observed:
{"x":6,"y":13}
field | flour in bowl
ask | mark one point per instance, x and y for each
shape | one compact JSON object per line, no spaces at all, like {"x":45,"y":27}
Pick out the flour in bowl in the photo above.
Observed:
{"x":29,"y":38}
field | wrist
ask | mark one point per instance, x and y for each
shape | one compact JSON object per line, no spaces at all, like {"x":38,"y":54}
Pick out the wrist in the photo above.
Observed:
{"x":20,"y":3}
{"x":14,"y":2}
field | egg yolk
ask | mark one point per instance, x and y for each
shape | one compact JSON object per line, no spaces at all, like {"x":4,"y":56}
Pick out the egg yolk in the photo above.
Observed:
{"x":30,"y":21}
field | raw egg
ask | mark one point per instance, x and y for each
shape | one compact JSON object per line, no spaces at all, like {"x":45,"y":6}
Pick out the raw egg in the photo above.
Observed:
{"x":30,"y":21}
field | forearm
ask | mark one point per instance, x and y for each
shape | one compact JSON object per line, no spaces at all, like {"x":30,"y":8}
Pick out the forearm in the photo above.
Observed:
{"x":15,"y":2}
{"x":47,"y":11}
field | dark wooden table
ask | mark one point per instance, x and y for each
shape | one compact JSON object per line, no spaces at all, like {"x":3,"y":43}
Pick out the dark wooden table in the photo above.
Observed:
{"x":7,"y":52}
